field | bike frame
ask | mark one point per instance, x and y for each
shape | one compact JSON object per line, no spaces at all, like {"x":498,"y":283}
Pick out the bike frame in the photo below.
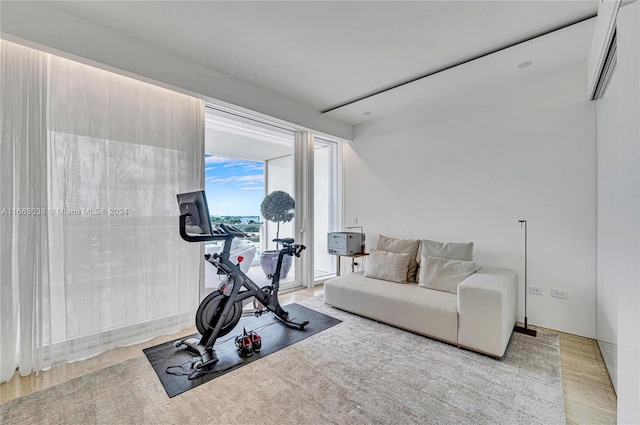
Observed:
{"x":240,"y":279}
{"x":211,"y":319}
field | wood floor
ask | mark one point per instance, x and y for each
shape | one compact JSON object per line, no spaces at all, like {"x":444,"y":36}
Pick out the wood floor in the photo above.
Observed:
{"x":589,"y":397}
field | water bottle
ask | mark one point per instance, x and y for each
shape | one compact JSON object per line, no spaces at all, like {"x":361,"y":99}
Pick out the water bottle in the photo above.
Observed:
{"x":226,"y":287}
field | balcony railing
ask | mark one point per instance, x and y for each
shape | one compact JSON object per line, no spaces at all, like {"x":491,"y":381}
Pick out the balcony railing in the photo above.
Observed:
{"x":253,"y":240}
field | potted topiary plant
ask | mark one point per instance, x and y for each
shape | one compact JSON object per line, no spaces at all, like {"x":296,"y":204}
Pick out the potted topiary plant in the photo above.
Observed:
{"x":279,"y":207}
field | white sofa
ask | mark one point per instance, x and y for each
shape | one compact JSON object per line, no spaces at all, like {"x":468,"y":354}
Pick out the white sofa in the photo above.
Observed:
{"x":479,"y":317}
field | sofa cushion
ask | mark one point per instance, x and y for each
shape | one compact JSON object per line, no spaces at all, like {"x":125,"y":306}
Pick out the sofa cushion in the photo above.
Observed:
{"x":409,"y":246}
{"x":387,"y":265}
{"x":453,"y":250}
{"x":424,"y":311}
{"x":444,"y":274}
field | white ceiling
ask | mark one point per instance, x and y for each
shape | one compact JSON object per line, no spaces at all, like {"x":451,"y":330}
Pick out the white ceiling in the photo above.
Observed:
{"x":235,"y":137}
{"x":325,"y":53}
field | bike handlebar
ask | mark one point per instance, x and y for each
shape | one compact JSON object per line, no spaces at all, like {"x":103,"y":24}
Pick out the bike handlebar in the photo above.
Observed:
{"x":233,"y":231}
{"x":222,"y":232}
{"x":197,"y":238}
{"x":295,"y":249}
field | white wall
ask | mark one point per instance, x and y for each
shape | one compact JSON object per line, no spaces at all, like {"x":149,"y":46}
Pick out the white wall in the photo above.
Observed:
{"x":609,"y":231}
{"x":619,"y":215}
{"x":466,"y":169}
{"x":618,"y":279}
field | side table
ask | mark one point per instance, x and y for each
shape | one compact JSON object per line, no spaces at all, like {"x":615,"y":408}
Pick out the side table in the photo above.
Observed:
{"x":353,"y":259}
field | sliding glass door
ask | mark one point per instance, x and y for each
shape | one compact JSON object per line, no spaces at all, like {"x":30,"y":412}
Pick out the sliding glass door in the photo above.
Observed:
{"x":325,"y":210}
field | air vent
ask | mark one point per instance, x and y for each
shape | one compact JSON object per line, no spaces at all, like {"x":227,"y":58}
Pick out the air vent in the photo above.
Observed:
{"x":608,"y":67}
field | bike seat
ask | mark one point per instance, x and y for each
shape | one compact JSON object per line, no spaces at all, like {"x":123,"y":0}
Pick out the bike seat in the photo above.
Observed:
{"x":287,"y":241}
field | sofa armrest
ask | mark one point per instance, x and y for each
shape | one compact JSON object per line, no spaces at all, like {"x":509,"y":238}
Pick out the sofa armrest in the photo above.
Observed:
{"x":487,"y":302}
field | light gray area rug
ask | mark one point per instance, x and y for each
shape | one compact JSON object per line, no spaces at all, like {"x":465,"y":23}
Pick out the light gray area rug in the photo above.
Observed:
{"x":357,"y":372}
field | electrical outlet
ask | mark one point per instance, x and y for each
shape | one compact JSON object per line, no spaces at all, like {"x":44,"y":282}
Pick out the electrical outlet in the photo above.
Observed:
{"x":560,"y":293}
{"x":535,"y":290}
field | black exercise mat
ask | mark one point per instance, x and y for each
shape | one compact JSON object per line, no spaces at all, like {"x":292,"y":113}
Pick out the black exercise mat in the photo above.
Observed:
{"x":275,"y":336}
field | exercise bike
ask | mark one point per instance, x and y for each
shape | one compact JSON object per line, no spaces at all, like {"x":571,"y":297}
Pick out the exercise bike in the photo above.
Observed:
{"x":221,"y":310}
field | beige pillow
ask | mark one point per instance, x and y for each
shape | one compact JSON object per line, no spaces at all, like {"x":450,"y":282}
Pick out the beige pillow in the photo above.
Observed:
{"x":409,"y":246}
{"x":387,"y":265}
{"x":451,"y":250}
{"x":444,"y":274}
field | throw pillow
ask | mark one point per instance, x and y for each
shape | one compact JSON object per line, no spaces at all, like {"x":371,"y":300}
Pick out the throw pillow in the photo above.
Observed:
{"x":409,"y":246}
{"x":452,"y":250}
{"x":444,"y":274}
{"x":387,"y":265}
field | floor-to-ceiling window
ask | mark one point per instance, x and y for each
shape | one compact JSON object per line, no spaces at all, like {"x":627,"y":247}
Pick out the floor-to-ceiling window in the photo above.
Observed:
{"x":91,"y":163}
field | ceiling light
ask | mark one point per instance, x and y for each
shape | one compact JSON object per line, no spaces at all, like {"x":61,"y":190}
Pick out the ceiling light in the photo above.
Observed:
{"x":524,"y":64}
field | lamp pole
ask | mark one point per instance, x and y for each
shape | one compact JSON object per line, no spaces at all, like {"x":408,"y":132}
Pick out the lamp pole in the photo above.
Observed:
{"x":520,"y":329}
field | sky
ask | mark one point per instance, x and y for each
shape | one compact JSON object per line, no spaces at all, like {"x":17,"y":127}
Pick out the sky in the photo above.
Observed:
{"x":233,"y":186}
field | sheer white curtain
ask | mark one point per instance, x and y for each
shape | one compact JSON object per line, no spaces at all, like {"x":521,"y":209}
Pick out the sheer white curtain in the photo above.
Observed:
{"x":25,"y":332}
{"x":118,"y":152}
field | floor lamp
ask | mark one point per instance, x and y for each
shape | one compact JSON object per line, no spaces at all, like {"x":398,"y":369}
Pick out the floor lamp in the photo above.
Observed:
{"x":520,"y":329}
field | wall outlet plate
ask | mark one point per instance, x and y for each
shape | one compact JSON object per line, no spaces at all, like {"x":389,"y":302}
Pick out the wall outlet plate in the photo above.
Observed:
{"x":560,"y":293}
{"x":535,"y":290}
